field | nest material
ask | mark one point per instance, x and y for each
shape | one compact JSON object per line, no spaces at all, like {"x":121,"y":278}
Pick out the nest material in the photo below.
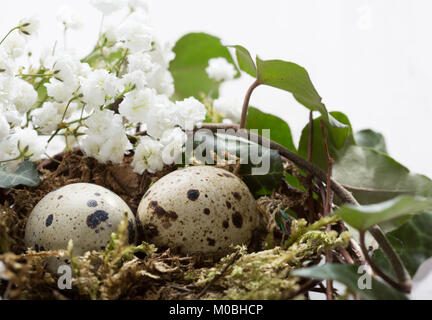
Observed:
{"x":141,"y":272}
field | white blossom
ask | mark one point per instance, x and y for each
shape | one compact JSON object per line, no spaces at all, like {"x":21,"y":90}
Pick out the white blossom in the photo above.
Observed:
{"x":4,"y":126}
{"x":148,"y":156}
{"x":105,"y":139}
{"x":137,"y":105}
{"x":220,"y":69}
{"x":22,"y":141}
{"x":15,"y":45}
{"x":24,"y":95}
{"x":190,"y":112}
{"x":140,"y":61}
{"x":98,"y":86}
{"x":135,"y":78}
{"x":107,"y":6}
{"x":29,"y":26}
{"x":60,"y":91}
{"x":161,"y":80}
{"x":7,"y":65}
{"x":173,"y":141}
{"x":135,"y":33}
{"x":229,"y":108}
{"x":47,"y":117}
{"x":162,"y":118}
{"x":69,"y":18}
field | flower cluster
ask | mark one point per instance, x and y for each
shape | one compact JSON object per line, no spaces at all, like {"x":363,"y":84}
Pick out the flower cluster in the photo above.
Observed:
{"x":114,"y":101}
{"x":97,"y":103}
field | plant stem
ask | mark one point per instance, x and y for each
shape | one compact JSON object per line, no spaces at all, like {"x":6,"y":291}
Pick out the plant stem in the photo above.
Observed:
{"x":309,"y":177}
{"x":404,"y":286}
{"x":7,"y":34}
{"x":329,"y":283}
{"x":401,"y":272}
{"x":246,"y":103}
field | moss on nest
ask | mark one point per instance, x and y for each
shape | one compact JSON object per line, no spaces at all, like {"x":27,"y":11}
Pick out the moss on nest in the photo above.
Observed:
{"x":124,"y":271}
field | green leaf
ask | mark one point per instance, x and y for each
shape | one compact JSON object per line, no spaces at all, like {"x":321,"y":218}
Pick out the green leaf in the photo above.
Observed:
{"x":374,"y":177}
{"x":349,"y":276}
{"x":193,"y":51}
{"x":371,"y":175}
{"x":371,"y":139}
{"x":364,"y":217}
{"x":280,"y":131}
{"x":26,"y":174}
{"x":412,"y":241}
{"x":291,"y":77}
{"x":259,"y":184}
{"x":245,"y":60}
{"x":336,"y":137}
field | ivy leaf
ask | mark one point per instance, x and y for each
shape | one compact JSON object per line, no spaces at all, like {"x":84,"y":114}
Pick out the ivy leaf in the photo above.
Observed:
{"x":291,"y":77}
{"x":245,"y":60}
{"x":26,"y":174}
{"x":262,"y":173}
{"x":371,"y":139}
{"x":377,"y":177}
{"x":193,"y":51}
{"x":337,"y":138}
{"x":412,"y":241}
{"x":364,"y":217}
{"x":280,"y":131}
{"x":350,"y":276}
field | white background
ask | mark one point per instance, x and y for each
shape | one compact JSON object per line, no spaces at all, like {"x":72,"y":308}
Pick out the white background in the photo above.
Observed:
{"x":368,"y":59}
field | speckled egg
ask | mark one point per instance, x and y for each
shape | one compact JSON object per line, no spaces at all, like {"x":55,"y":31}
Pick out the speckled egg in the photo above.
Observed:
{"x":198,"y":209}
{"x":84,"y":212}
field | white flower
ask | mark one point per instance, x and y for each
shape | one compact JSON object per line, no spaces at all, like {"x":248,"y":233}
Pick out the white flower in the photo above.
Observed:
{"x":107,"y":6}
{"x":69,"y":18}
{"x":22,"y":141}
{"x":4,"y":126}
{"x":140,"y":61}
{"x":162,"y":54}
{"x":220,"y":69}
{"x":230,"y":108}
{"x":135,"y":78}
{"x":135,"y":33}
{"x":190,"y":112}
{"x":25,"y":96}
{"x":173,"y":141}
{"x":59,"y":90}
{"x":137,"y":105}
{"x":162,"y":118}
{"x":148,"y":156}
{"x":106,"y":138}
{"x":29,"y":26}
{"x":15,"y":45}
{"x":162,"y":81}
{"x":7,"y":65}
{"x":98,"y":86}
{"x":47,"y":117}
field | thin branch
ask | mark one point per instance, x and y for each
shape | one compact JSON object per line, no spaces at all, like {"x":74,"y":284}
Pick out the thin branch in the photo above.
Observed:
{"x":398,"y":266}
{"x":344,"y":195}
{"x":329,"y":283}
{"x":405,"y":287}
{"x":246,"y":103}
{"x":311,"y":209}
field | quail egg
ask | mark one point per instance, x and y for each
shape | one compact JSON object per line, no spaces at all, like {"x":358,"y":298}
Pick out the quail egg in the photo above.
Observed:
{"x":198,"y":209}
{"x":85,"y":213}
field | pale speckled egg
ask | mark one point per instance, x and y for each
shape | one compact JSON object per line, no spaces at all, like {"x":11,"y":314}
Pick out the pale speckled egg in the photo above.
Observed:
{"x":83,"y":212}
{"x":199,"y":209}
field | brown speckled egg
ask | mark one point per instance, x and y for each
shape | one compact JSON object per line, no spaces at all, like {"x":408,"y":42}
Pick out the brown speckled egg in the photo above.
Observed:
{"x":198,"y":209}
{"x":83,"y":212}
